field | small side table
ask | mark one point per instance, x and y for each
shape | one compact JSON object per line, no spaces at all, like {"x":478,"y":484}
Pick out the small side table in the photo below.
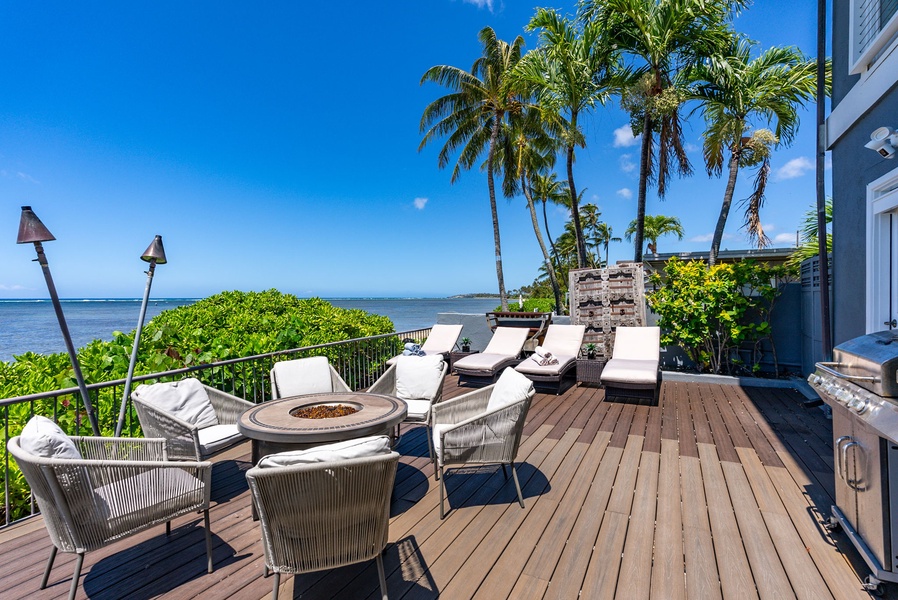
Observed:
{"x":590,"y":370}
{"x":454,"y":356}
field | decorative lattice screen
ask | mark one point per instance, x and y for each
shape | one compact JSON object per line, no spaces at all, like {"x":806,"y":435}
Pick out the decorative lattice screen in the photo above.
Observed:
{"x":603,"y":299}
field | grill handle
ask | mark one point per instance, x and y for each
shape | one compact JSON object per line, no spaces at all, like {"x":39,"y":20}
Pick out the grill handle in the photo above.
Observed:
{"x":840,"y":470}
{"x":826,"y":367}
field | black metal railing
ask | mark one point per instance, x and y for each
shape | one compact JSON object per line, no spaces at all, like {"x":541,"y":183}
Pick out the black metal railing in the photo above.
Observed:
{"x":359,"y":361}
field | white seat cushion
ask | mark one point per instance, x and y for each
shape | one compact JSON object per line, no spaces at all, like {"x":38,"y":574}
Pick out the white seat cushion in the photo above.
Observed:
{"x":564,"y":340}
{"x":216,"y":437}
{"x":418,"y":410}
{"x":42,"y":437}
{"x":631,"y":372}
{"x":418,"y":377}
{"x":186,"y":399}
{"x":437,"y":430}
{"x":302,"y":376}
{"x":637,"y":343}
{"x":510,"y":388}
{"x":485,"y":363}
{"x":534,"y":368}
{"x":442,"y":339}
{"x":358,"y":448}
{"x":507,"y":340}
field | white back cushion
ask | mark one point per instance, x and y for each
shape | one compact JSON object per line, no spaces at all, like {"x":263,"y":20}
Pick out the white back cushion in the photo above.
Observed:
{"x":42,"y":437}
{"x":185,"y":399}
{"x":358,"y":448}
{"x":564,"y":340}
{"x":507,"y":341}
{"x":637,"y":343}
{"x":418,"y":377}
{"x":510,"y":388}
{"x":303,"y":376}
{"x":442,"y":338}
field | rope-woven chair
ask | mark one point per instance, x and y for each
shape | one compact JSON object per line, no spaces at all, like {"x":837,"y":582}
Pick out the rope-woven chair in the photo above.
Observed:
{"x":185,"y":440}
{"x":418,"y":408}
{"x":312,"y":375}
{"x":324,"y":515}
{"x":120,"y":487}
{"x":466,"y":431}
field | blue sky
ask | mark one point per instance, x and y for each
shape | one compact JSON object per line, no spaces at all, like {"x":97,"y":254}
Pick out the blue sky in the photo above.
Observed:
{"x":274,"y":145}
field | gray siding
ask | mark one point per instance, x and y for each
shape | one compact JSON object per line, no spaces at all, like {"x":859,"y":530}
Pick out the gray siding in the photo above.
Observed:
{"x":842,"y":81}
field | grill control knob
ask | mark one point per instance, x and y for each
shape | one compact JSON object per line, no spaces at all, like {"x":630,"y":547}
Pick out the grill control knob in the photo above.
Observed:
{"x":860,"y":405}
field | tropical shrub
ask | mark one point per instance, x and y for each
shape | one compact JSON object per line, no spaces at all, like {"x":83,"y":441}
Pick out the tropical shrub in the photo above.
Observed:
{"x":718,"y":314}
{"x":531,"y":305}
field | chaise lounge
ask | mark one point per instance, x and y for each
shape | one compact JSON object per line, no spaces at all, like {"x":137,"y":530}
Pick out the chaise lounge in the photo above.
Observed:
{"x":441,"y":341}
{"x":633,"y":369}
{"x":563,"y":342}
{"x":502,"y":351}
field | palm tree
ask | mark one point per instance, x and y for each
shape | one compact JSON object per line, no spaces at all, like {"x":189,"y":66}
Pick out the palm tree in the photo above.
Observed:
{"x":656,"y":226}
{"x":527,"y":150}
{"x":666,"y":37}
{"x":589,"y":223}
{"x":547,"y":188}
{"x":605,"y":236}
{"x":808,"y":248}
{"x":734,"y":90}
{"x":472,"y":115}
{"x":570,"y":73}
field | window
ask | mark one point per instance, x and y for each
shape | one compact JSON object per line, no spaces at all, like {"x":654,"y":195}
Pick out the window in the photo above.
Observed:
{"x":882,"y":252}
{"x":874,"y":26}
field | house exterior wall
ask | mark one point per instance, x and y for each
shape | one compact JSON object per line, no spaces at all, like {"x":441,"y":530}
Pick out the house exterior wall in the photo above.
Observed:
{"x":860,"y":104}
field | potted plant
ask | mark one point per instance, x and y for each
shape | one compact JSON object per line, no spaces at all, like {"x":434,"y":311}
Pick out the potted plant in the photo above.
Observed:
{"x":591,"y":351}
{"x":466,"y":344}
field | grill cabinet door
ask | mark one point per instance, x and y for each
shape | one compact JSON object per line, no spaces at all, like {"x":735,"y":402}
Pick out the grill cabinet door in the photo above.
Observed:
{"x":867,"y":463}
{"x":843,"y":429}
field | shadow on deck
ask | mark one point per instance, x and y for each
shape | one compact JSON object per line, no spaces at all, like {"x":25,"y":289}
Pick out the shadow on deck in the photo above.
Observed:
{"x":717,"y":492}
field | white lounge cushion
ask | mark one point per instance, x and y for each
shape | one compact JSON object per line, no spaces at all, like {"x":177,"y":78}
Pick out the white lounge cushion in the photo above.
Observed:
{"x":303,"y":376}
{"x":437,"y":431}
{"x":533,"y":366}
{"x":358,"y":448}
{"x":507,"y":340}
{"x":42,"y":437}
{"x":216,"y":437}
{"x":442,"y":338}
{"x":637,"y":343}
{"x":564,"y":340}
{"x":631,"y":372}
{"x":510,"y":388}
{"x":418,"y":410}
{"x":418,"y":376}
{"x":186,"y":399}
{"x":486,"y":363}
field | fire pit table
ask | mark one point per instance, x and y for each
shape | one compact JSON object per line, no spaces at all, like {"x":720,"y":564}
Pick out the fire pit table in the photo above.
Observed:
{"x":275,"y":427}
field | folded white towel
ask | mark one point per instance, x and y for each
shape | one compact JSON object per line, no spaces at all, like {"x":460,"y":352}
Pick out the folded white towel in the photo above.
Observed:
{"x":413,"y":350}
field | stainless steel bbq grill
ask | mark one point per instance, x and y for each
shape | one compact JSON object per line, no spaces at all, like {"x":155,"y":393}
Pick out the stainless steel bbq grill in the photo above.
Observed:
{"x":861,"y":387}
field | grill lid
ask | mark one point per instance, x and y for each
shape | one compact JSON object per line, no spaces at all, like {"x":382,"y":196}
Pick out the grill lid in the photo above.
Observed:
{"x":870,"y":361}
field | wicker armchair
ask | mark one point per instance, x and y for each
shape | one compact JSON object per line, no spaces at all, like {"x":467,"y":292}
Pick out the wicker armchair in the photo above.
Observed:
{"x":324,"y":515}
{"x":468,"y":430}
{"x":313,"y":375}
{"x":418,"y":408}
{"x":121,"y":486}
{"x":185,"y":440}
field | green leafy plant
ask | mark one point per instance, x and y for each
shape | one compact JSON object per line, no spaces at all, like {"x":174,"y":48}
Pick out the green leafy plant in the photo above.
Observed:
{"x":466,"y":344}
{"x":718,"y":314}
{"x":531,"y":305}
{"x":590,"y":350}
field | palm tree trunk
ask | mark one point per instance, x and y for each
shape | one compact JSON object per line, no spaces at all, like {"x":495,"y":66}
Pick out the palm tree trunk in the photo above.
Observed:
{"x":549,"y":235}
{"x":553,"y":279}
{"x":644,"y":157}
{"x":724,"y":208}
{"x":575,"y":208}
{"x":494,"y":136}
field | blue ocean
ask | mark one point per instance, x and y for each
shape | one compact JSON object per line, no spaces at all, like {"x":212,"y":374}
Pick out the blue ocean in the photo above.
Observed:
{"x":31,"y":325}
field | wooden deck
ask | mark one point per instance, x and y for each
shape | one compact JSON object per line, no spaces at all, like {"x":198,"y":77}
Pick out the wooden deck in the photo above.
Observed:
{"x":718,"y":492}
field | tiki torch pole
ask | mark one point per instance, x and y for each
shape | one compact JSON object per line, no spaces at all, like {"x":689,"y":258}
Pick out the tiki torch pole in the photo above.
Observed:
{"x":155,"y":255}
{"x":32,"y":230}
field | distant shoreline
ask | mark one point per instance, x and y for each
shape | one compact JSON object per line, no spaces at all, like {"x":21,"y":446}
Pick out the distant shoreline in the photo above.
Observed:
{"x":460,"y":297}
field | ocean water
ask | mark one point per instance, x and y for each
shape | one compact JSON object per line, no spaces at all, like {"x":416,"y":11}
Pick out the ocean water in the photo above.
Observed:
{"x":31,"y":325}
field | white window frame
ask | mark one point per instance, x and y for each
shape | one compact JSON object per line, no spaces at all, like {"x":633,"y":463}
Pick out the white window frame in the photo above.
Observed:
{"x":860,"y":60}
{"x":882,"y":198}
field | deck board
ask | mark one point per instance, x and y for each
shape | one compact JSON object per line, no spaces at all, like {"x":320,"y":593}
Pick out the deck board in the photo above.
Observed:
{"x":715,"y":492}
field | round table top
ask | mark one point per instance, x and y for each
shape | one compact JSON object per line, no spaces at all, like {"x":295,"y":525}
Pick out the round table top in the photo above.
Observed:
{"x":273,"y":422}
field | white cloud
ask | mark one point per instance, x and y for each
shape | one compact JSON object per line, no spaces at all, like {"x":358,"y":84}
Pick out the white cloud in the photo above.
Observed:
{"x":625,"y":193}
{"x":624,"y":138}
{"x":420,"y":203}
{"x":488,"y":4}
{"x":784,"y":238}
{"x":626,"y":163}
{"x":707,"y":237}
{"x":27,"y":177}
{"x":794,"y":168}
{"x":768,"y":227}
{"x":12,"y":288}
{"x":690,"y":147}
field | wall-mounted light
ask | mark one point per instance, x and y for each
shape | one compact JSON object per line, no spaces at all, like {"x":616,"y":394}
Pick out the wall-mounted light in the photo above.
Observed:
{"x":884,"y":141}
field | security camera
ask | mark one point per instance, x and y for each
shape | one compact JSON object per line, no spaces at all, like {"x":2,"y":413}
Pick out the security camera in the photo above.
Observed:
{"x":883,"y":140}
